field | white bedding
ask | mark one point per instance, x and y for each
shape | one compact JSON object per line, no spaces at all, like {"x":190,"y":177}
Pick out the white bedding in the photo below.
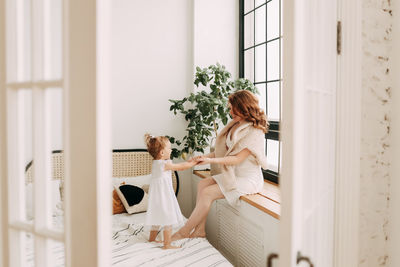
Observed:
{"x":130,"y":248}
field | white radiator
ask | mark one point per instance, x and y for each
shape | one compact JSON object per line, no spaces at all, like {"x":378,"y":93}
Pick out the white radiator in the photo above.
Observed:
{"x":239,"y":240}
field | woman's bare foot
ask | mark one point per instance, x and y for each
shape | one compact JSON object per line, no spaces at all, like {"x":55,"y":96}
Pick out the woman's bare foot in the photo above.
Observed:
{"x":157,"y":241}
{"x":178,"y":235}
{"x":169,"y":246}
{"x":198,"y":234}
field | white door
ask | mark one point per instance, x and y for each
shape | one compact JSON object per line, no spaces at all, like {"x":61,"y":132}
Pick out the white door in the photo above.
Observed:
{"x":308,"y":133}
{"x":54,"y":95}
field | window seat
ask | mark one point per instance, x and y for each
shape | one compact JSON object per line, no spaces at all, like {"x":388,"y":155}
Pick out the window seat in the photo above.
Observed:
{"x":268,"y":200}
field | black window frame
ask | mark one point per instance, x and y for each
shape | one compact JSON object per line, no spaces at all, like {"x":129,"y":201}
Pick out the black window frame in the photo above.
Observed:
{"x":274,"y":126}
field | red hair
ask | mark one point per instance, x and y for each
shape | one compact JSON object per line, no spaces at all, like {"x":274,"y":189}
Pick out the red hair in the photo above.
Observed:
{"x":245,"y":104}
{"x":155,"y":144}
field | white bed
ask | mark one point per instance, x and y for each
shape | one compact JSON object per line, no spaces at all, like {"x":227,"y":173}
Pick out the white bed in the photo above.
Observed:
{"x":130,"y":248}
{"x":129,"y":237}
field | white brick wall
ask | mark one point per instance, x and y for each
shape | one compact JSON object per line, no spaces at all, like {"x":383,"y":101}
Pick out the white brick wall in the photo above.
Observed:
{"x":375,"y":132}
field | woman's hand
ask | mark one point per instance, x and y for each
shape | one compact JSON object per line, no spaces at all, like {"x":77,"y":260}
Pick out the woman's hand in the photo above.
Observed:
{"x":201,"y":160}
{"x":191,"y":162}
{"x":194,"y":159}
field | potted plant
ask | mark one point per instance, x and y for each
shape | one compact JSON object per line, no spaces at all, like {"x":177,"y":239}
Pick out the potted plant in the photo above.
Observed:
{"x":205,"y":109}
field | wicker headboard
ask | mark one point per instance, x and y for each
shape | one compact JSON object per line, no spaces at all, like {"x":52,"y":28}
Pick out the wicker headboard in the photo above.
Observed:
{"x":126,"y":163}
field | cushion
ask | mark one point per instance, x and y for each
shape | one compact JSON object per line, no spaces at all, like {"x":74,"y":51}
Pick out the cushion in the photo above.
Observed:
{"x":132,"y":197}
{"x":136,"y":180}
{"x":118,"y":207}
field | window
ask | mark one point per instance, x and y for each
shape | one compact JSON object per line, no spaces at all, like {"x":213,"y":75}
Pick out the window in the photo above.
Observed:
{"x":260,"y":62}
{"x":34,"y":89}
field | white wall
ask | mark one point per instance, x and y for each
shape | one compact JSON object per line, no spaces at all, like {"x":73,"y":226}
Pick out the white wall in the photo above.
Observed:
{"x":151,"y":63}
{"x":216,"y":34}
{"x":375,"y":180}
{"x":155,"y":46}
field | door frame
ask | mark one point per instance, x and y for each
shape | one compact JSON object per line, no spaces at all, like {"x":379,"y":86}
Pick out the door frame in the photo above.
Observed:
{"x":348,"y":120}
{"x":4,"y":253}
{"x":87,"y":135}
{"x":87,"y":116}
{"x":348,"y":135}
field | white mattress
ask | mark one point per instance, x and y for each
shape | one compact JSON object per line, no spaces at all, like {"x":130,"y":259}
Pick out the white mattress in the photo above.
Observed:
{"x":130,"y":248}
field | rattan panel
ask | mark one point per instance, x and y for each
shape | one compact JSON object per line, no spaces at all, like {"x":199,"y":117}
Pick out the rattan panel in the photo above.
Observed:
{"x":125,"y":164}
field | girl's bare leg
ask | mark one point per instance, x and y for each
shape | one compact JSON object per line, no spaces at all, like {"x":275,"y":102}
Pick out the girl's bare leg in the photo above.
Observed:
{"x":167,"y":238}
{"x":153,"y":234}
{"x":200,"y":230}
{"x":207,"y":196}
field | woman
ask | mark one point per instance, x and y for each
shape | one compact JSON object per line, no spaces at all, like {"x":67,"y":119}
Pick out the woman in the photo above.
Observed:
{"x":239,"y":151}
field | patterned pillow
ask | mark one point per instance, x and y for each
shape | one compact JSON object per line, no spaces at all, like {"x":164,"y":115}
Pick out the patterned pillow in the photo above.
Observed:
{"x":134,"y":198}
{"x":118,"y":207}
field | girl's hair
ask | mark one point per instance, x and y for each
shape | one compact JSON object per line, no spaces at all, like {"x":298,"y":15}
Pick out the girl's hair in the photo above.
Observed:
{"x":155,"y":144}
{"x":245,"y":104}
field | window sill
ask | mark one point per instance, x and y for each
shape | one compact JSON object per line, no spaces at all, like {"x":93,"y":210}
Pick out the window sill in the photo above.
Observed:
{"x":268,"y":200}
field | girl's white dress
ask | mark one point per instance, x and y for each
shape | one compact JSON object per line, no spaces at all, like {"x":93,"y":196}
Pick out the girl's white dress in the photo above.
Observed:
{"x":163,"y":208}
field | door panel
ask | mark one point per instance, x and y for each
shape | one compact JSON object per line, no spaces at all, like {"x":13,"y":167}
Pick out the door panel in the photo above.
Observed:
{"x":308,"y":134}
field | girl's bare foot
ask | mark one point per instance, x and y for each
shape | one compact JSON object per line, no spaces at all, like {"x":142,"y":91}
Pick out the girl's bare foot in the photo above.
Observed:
{"x":157,"y":241}
{"x":198,"y":234}
{"x":169,"y":246}
{"x":178,"y":235}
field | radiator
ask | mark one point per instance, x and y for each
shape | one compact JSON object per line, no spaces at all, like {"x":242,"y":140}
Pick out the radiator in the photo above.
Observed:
{"x":239,"y":239}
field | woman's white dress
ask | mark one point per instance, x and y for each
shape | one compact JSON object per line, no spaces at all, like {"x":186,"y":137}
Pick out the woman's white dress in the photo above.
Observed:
{"x":249,"y":177}
{"x":163,"y":208}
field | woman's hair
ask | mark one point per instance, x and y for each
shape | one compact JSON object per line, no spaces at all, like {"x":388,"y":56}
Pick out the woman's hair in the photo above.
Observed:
{"x":245,"y":104}
{"x":155,"y":144}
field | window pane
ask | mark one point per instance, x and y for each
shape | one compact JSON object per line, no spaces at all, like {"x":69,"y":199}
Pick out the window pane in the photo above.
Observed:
{"x":55,"y":120}
{"x":29,"y":249}
{"x":57,"y":254}
{"x":53,"y":41}
{"x":262,"y":98}
{"x":249,"y":30}
{"x":18,"y":41}
{"x":273,"y":60}
{"x":26,"y":39}
{"x":249,"y":64}
{"x":260,"y":58}
{"x":273,"y":101}
{"x":260,"y":25}
{"x":248,"y":5}
{"x":272,"y":155}
{"x":259,"y":2}
{"x":273,"y":19}
{"x":25,"y":118}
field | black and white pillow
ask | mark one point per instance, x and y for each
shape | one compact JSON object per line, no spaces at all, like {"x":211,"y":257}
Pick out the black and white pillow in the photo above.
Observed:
{"x":134,"y":198}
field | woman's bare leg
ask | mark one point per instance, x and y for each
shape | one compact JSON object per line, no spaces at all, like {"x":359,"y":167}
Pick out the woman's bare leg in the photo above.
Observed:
{"x":200,"y":230}
{"x":207,"y":196}
{"x":167,"y":238}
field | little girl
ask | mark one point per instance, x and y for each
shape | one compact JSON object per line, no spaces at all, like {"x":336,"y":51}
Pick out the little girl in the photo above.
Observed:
{"x":163,"y":209}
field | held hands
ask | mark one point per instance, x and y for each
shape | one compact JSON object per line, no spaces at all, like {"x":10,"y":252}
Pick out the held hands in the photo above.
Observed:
{"x":191,"y":162}
{"x":200,"y":160}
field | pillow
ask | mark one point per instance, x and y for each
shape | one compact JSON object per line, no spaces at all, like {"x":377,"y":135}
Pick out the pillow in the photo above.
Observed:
{"x":137,"y":180}
{"x":118,"y":207}
{"x":133,"y":198}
